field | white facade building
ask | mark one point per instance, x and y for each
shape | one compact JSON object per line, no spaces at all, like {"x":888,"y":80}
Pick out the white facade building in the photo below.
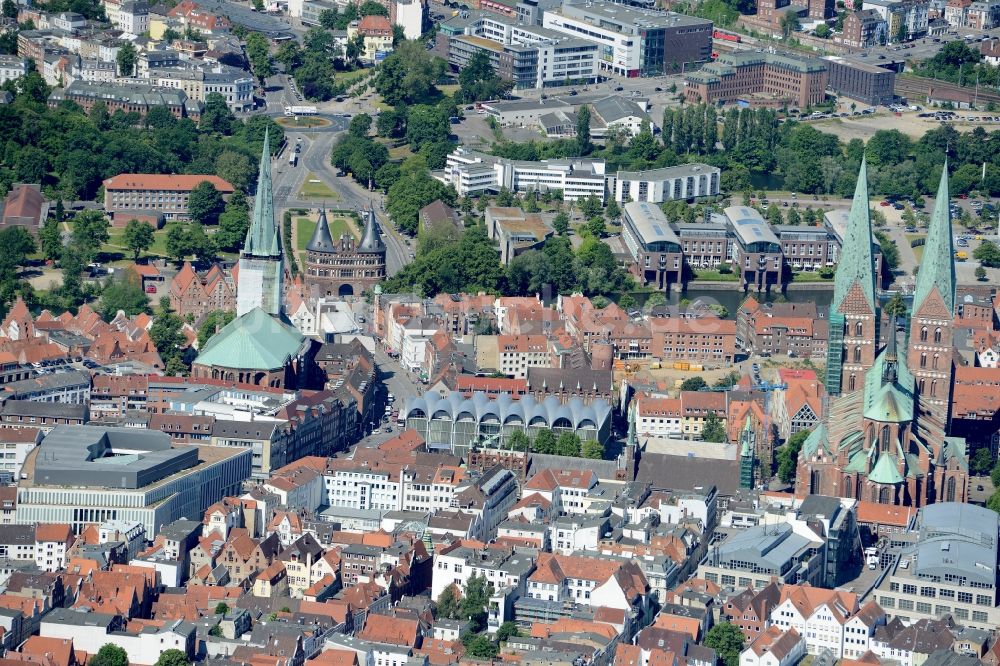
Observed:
{"x":12,"y":67}
{"x":471,"y":172}
{"x":687,"y":181}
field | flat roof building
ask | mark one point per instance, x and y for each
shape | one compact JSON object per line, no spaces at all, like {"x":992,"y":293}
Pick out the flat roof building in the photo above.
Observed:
{"x":947,"y":566}
{"x":861,"y":80}
{"x":84,"y":474}
{"x":635,"y":42}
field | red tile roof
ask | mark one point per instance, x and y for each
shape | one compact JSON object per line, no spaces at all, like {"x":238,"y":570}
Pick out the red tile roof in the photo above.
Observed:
{"x":156,"y":181}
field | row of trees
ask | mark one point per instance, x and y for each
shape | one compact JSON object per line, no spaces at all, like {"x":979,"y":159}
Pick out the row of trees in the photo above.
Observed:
{"x":566,"y":444}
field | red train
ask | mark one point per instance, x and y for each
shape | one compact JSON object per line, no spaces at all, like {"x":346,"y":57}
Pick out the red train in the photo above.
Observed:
{"x":727,"y":36}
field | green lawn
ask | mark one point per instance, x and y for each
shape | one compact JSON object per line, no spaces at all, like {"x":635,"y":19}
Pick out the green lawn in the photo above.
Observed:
{"x":809,"y":276}
{"x":314,"y":188}
{"x":302,"y":122}
{"x":705,"y":275}
{"x":116,"y":243}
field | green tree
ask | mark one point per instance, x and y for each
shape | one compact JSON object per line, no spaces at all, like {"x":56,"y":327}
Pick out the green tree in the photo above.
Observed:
{"x":480,"y":646}
{"x":408,"y":75}
{"x":109,"y":655}
{"x":478,"y":80}
{"x":592,"y":449}
{"x":235,"y":168}
{"x":360,"y":126}
{"x":214,"y":322}
{"x":507,"y":630}
{"x":597,"y":227}
{"x":981,"y":462}
{"x":895,"y":306}
{"x":259,"y":55}
{"x":788,"y":456}
{"x":823,"y":31}
{"x":414,"y":190}
{"x":166,"y":334}
{"x":789,"y":23}
{"x":173,"y":657}
{"x":138,"y":237}
{"x":205,"y":203}
{"x":216,"y":116}
{"x":583,"y":142}
{"x":518,"y":441}
{"x":447,"y":604}
{"x":995,"y":475}
{"x":988,"y":254}
{"x":233,"y":223}
{"x":993,"y":503}
{"x":561,"y":223}
{"x":694,"y":383}
{"x":51,"y":238}
{"x":727,"y":641}
{"x":890,"y":253}
{"x":472,"y":606}
{"x":178,"y":245}
{"x":568,"y":445}
{"x":980,"y":273}
{"x":714,"y":429}
{"x":372,"y":8}
{"x":90,"y":232}
{"x":221,"y":608}
{"x":9,"y":9}
{"x":545,"y":442}
{"x":126,"y":59}
{"x":124,"y":292}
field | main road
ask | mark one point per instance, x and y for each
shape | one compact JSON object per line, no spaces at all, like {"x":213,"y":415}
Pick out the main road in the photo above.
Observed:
{"x":315,"y":159}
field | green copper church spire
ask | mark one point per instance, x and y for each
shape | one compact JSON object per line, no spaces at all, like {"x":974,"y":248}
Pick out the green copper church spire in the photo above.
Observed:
{"x":937,"y":268}
{"x":855,"y":263}
{"x":262,"y":236}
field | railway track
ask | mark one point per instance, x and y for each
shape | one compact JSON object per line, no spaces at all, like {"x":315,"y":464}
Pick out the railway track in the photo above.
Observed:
{"x":908,"y":87}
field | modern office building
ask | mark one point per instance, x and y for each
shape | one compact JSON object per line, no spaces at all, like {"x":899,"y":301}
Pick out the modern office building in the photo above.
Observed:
{"x":472,"y":173}
{"x":759,"y":79}
{"x":861,"y":80}
{"x":527,"y":55}
{"x":635,"y":42}
{"x":654,"y":246}
{"x":686,"y":181}
{"x":86,"y":474}
{"x":947,"y":566}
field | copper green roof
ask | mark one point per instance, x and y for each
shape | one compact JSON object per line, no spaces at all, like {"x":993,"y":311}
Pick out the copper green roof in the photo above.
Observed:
{"x":885,"y":471}
{"x":254,"y":341}
{"x":262,"y":236}
{"x":889,"y":402}
{"x":856,"y":263}
{"x":816,"y":438}
{"x":937,"y":267}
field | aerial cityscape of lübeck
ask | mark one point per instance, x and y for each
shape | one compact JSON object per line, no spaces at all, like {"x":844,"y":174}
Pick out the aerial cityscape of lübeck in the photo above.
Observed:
{"x":523,"y":332}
